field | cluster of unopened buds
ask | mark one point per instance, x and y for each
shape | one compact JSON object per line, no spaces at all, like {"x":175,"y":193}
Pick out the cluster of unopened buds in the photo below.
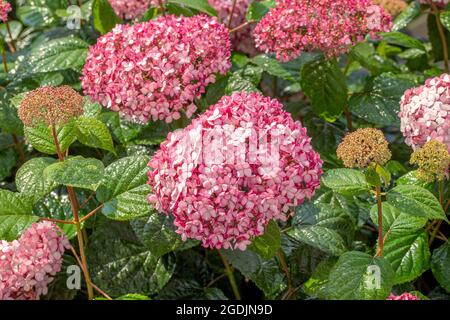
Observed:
{"x":29,"y":264}
{"x":154,"y":70}
{"x":331,"y":26}
{"x":239,"y":165}
{"x":425,"y":113}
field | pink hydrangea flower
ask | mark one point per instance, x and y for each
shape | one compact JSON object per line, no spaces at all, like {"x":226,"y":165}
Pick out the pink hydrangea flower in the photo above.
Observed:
{"x":425,"y":113}
{"x":5,"y":8}
{"x":242,"y":39}
{"x":239,"y":165}
{"x":403,"y":296}
{"x":155,"y":70}
{"x":132,"y":9}
{"x":28,"y":265}
{"x":439,"y":3}
{"x":331,"y":26}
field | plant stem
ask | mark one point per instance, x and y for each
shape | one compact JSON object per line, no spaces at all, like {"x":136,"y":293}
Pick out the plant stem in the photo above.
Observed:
{"x":285,"y":268}
{"x":76,"y":220}
{"x":5,"y":63}
{"x":230,"y":275}
{"x":19,"y":149}
{"x":441,"y":193}
{"x":380,"y":222}
{"x":442,"y":202}
{"x":231,"y":14}
{"x":162,"y":7}
{"x":13,"y":44}
{"x":90,"y":214}
{"x":435,"y":232}
{"x":348,"y":116}
{"x":57,"y":220}
{"x":441,"y":34}
{"x":240,"y":26}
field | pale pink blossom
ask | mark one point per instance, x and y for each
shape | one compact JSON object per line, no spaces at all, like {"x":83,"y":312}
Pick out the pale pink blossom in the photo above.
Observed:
{"x":29,"y":264}
{"x":132,"y":9}
{"x":403,"y":296}
{"x":154,"y":70}
{"x":241,"y":164}
{"x":331,"y":26}
{"x":5,"y":8}
{"x":425,"y":113}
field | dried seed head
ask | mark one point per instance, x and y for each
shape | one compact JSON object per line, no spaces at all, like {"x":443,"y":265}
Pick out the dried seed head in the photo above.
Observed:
{"x":433,"y":161}
{"x":50,"y":105}
{"x":393,"y":7}
{"x":363,"y":147}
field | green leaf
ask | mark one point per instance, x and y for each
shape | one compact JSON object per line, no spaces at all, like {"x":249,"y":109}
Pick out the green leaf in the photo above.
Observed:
{"x":104,"y":16}
{"x":408,"y":254}
{"x":366,"y":55}
{"x":259,"y":9}
{"x":345,"y":181}
{"x":123,"y":175}
{"x":76,"y":172}
{"x":9,"y":120}
{"x":120,"y":264}
{"x":13,"y":225}
{"x":317,"y":285}
{"x":410,"y":178}
{"x":157,"y":233}
{"x":14,"y":203}
{"x":123,"y":131}
{"x":35,"y":16}
{"x":416,"y":201}
{"x":41,"y":138}
{"x":360,"y":276}
{"x":435,"y":38}
{"x":246,"y":79}
{"x":440,"y":265}
{"x":269,"y":243}
{"x":130,"y":204}
{"x":445,"y":19}
{"x":325,"y":84}
{"x":273,"y":67}
{"x":266,"y":274}
{"x":7,"y":163}
{"x":320,"y":237}
{"x":406,"y":16}
{"x":379,"y":102}
{"x":94,"y":133}
{"x":200,"y":5}
{"x":55,"y":55}
{"x":403,"y":40}
{"x":30,"y":178}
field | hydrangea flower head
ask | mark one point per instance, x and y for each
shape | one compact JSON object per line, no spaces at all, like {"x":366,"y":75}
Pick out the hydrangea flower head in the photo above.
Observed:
{"x":28,"y":265}
{"x":331,"y":26}
{"x":132,"y":9}
{"x":239,"y":165}
{"x":433,"y":160}
{"x":50,"y":105}
{"x":5,"y":8}
{"x":439,"y":3}
{"x":242,"y":39}
{"x":154,"y":70}
{"x":425,"y":112}
{"x":362,"y":147}
{"x":403,"y":296}
{"x":393,"y":7}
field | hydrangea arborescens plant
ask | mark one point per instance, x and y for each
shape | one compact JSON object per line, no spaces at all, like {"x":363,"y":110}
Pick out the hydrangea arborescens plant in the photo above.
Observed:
{"x":150,"y":150}
{"x":221,"y":183}
{"x":154,"y":70}
{"x":296,"y":26}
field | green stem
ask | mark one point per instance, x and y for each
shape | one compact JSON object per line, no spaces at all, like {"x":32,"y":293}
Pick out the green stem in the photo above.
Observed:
{"x":284,"y":266}
{"x":5,"y":62}
{"x":230,"y":275}
{"x":380,"y":222}
{"x":12,"y":43}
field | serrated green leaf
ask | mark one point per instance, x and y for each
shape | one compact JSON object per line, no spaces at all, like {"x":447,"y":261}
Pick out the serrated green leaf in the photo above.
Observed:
{"x":13,"y":225}
{"x":30,"y":178}
{"x":259,"y":9}
{"x":269,"y":243}
{"x":320,"y":237}
{"x":416,"y":201}
{"x":200,"y":5}
{"x":14,"y":203}
{"x":317,"y":285}
{"x":406,"y":16}
{"x":41,"y":138}
{"x":440,"y":265}
{"x":94,"y":133}
{"x":246,"y":79}
{"x":325,"y":84}
{"x":273,"y":67}
{"x":76,"y":172}
{"x":104,"y":16}
{"x":345,"y":181}
{"x":360,"y":276}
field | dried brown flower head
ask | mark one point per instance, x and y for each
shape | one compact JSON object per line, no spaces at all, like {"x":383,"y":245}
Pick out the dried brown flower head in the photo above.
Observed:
{"x":433,"y":161}
{"x":394,"y":7}
{"x":50,"y":105}
{"x":364,"y":146}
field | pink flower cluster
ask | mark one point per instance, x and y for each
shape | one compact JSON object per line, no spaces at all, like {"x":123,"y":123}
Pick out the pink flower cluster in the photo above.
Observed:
{"x":132,"y":9}
{"x":5,"y":8}
{"x":28,"y":264}
{"x":439,"y":3}
{"x":425,"y":113}
{"x":242,"y":39}
{"x":154,"y":70}
{"x":331,"y":26}
{"x":239,"y":165}
{"x":403,"y":296}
